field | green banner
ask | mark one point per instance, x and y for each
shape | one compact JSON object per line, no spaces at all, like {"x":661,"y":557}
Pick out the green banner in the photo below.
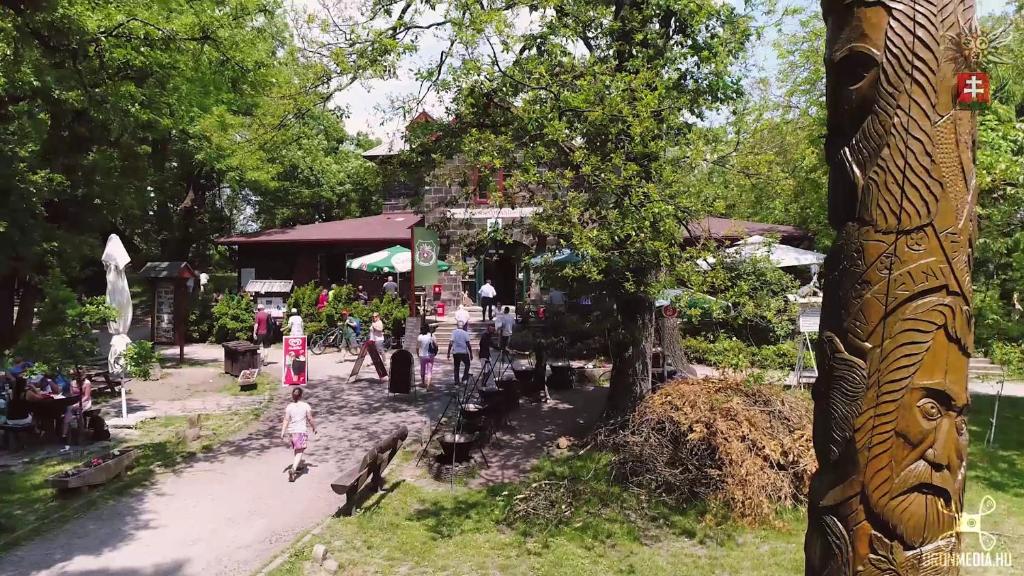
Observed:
{"x":425,"y":248}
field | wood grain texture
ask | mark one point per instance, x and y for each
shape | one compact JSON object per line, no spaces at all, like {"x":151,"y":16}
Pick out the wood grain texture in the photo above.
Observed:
{"x":896,"y":329}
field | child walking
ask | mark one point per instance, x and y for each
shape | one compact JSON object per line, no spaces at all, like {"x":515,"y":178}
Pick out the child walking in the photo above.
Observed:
{"x":296,"y":417}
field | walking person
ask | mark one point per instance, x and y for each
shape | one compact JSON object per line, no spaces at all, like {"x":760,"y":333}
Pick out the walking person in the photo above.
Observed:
{"x":295,"y":326}
{"x":461,"y":348}
{"x":487,"y":294}
{"x":462,"y":316}
{"x":505,"y":323}
{"x":486,"y":345}
{"x":427,"y":348}
{"x":298,"y":420}
{"x":261,"y":332}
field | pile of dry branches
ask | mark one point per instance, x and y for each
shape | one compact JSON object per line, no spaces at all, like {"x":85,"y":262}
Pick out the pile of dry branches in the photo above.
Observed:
{"x":720,"y":440}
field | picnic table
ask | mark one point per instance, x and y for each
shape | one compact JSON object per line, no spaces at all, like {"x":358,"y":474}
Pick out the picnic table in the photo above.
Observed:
{"x":51,"y":411}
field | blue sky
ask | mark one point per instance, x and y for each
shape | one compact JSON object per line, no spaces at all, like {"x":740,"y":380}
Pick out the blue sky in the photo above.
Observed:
{"x":368,"y":105}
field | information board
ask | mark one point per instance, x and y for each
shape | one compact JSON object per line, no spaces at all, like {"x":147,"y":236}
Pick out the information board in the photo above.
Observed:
{"x":370,"y":348}
{"x":412,"y":331}
{"x":164,"y":313}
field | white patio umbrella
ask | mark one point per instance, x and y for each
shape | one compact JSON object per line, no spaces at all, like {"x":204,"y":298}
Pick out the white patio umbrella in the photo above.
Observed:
{"x":114,"y":259}
{"x":781,"y":256}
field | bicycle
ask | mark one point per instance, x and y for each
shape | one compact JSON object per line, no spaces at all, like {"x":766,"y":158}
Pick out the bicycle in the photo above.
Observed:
{"x":340,"y":337}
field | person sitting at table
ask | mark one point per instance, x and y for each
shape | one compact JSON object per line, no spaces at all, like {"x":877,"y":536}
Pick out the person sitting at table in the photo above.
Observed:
{"x":43,"y":385}
{"x":64,"y":383}
{"x":18,"y":413}
{"x":80,"y":386}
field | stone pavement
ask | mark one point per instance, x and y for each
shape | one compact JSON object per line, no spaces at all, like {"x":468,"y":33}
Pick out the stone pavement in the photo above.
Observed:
{"x":231,"y":510}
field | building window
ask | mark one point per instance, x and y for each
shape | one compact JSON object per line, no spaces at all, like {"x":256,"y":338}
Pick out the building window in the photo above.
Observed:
{"x":486,"y":181}
{"x":481,"y":187}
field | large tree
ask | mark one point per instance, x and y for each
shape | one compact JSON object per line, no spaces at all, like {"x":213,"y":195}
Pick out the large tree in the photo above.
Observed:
{"x":591,"y":104}
{"x":159,"y":121}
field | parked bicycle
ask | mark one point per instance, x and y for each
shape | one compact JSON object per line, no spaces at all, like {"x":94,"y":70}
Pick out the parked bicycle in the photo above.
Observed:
{"x":344,"y":338}
{"x":340,"y":337}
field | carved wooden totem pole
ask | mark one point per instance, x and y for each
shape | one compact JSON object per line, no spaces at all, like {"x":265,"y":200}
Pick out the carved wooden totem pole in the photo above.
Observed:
{"x":896,"y":329}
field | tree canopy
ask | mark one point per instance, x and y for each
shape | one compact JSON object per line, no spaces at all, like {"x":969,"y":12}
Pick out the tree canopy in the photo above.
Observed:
{"x":591,"y":106}
{"x":162,"y":122}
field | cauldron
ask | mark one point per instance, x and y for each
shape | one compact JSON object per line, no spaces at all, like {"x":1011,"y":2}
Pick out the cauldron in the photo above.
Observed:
{"x":457,"y":446}
{"x":492,"y":397}
{"x":561,"y":376}
{"x":511,"y":389}
{"x":524,"y":375}
{"x":472,"y":413}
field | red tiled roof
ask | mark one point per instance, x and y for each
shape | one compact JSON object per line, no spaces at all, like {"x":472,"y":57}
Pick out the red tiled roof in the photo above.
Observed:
{"x":391,"y":227}
{"x":728,"y":229}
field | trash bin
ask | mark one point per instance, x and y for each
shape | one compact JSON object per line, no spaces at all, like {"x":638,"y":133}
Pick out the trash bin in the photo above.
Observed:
{"x":240,"y":355}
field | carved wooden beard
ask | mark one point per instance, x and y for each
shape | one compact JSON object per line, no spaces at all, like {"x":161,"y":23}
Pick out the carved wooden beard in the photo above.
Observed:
{"x":896,"y":329}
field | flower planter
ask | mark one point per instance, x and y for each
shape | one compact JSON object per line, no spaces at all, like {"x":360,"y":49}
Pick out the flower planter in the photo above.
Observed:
{"x":94,"y":472}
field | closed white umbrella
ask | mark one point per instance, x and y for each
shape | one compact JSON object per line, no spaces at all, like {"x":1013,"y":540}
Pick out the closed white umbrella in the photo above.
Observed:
{"x":114,"y":259}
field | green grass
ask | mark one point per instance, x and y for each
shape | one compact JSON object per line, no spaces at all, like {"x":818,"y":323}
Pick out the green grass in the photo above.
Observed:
{"x":417,"y":530}
{"x":25,"y":497}
{"x":421,"y":528}
{"x":263,"y":386}
{"x":997,"y":471}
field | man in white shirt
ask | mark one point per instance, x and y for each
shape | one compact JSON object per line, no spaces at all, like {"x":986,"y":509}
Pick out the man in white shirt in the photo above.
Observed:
{"x":462,"y":316}
{"x":505,"y":323}
{"x":295,"y":327}
{"x":462,"y":349}
{"x":487,"y":294}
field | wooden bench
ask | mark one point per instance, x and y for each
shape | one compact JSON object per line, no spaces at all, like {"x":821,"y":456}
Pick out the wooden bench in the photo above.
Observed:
{"x":97,"y":370}
{"x":12,"y":433}
{"x":369,"y":473}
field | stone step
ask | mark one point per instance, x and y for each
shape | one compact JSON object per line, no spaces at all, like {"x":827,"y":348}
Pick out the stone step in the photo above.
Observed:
{"x":981,"y":362}
{"x":993,"y":369}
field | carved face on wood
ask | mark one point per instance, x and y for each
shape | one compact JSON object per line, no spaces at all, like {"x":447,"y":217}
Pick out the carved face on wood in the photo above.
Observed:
{"x":925,"y":494}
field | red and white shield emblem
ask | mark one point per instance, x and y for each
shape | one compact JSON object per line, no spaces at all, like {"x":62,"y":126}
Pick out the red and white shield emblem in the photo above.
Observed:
{"x":972,"y":89}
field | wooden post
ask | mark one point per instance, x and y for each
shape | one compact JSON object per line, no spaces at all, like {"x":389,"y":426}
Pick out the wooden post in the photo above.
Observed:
{"x":412,"y":271}
{"x":180,"y":296}
{"x":896,"y":331}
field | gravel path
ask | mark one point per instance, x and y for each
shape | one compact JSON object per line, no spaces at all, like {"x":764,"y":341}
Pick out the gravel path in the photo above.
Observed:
{"x":232,"y":510}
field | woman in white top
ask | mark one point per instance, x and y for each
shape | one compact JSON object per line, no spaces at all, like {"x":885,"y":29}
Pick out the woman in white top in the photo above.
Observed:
{"x":297,"y":416}
{"x":377,"y":331}
{"x":295,"y":324}
{"x":426,"y":354}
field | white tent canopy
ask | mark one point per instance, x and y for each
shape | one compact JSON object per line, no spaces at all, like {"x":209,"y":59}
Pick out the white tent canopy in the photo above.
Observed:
{"x":781,"y":256}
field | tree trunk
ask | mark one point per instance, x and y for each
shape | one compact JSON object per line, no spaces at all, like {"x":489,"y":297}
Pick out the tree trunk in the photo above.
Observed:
{"x":631,"y":366}
{"x":30,"y":294}
{"x":6,"y":311}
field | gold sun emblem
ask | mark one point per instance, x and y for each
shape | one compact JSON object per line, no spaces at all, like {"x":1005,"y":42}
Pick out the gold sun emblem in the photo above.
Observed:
{"x":973,"y":49}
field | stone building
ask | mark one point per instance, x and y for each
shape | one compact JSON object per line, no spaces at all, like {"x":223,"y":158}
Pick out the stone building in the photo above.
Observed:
{"x":455,"y":202}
